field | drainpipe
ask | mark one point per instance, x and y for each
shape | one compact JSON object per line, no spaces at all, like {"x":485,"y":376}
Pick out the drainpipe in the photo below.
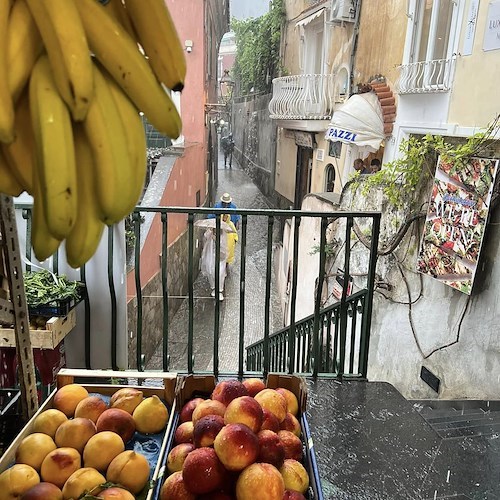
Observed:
{"x":354,"y":44}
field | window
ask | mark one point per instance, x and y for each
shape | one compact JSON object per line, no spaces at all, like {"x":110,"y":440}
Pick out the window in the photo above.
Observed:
{"x":434,"y":33}
{"x":329,"y":178}
{"x":334,"y":149}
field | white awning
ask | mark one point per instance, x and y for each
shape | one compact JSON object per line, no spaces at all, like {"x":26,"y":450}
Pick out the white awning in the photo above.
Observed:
{"x":358,"y":122}
{"x":308,"y":19}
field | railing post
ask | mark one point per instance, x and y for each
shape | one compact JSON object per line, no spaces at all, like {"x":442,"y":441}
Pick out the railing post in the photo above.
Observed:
{"x":190,"y":359}
{"x":317,"y":305}
{"x":292,"y":336}
{"x":217,"y":291}
{"x":86,"y":301}
{"x":243,"y":258}
{"x":112,"y":293}
{"x":270,"y":223}
{"x":343,"y":300}
{"x":164,"y":283}
{"x":368,"y":305}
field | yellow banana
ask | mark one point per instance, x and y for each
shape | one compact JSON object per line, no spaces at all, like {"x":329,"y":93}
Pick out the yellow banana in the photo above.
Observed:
{"x":117,"y":9}
{"x":43,"y":243}
{"x":6,"y":102}
{"x":159,"y":38}
{"x":85,"y":236}
{"x":8,"y":181}
{"x":20,"y":153}
{"x":120,"y":55}
{"x":62,"y":32}
{"x":136,"y":142}
{"x":54,"y":150}
{"x":106,"y":134}
{"x":24,"y":45}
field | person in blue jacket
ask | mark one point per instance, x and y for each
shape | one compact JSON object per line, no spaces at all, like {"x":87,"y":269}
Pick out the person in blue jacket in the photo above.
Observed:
{"x":227,"y":202}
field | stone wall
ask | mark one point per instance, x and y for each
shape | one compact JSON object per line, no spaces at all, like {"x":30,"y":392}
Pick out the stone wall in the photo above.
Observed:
{"x":254,"y":135}
{"x":152,"y":309}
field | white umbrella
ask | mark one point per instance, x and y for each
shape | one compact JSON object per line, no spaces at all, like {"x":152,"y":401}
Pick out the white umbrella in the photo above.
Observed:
{"x":204,"y":223}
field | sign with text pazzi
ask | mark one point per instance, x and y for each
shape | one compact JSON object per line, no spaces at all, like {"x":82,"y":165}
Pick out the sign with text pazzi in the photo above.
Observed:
{"x":491,"y":39}
{"x":456,"y":221}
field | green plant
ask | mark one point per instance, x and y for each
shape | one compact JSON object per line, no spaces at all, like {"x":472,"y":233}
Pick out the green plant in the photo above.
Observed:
{"x":401,"y":177}
{"x":258,"y":48}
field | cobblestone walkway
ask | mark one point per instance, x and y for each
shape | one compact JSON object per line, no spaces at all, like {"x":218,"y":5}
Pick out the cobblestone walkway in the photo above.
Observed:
{"x":245,"y":195}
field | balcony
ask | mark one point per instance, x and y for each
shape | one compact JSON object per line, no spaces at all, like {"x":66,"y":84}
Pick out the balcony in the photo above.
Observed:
{"x":425,"y":77}
{"x":304,"y":97}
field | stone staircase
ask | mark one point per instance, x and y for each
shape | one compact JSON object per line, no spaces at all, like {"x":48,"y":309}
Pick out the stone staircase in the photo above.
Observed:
{"x":461,"y":418}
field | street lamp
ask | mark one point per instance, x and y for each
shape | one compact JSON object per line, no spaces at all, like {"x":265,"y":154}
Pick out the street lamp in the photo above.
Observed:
{"x":226,"y":87}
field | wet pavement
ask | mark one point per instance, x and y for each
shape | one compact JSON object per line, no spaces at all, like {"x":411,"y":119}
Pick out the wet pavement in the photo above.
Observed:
{"x":245,"y":195}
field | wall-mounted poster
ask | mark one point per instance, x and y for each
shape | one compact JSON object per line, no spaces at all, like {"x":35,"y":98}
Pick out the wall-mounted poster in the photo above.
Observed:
{"x":456,"y":220}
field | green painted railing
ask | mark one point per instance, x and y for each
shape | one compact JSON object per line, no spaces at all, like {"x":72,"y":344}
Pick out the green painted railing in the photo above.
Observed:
{"x":332,"y":348}
{"x":317,"y":344}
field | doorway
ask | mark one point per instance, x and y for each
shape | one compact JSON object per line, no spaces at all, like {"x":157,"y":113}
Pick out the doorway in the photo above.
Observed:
{"x":302,"y":175}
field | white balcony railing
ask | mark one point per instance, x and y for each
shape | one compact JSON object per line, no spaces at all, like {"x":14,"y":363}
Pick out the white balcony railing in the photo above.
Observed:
{"x":425,"y":77}
{"x":303,"y":97}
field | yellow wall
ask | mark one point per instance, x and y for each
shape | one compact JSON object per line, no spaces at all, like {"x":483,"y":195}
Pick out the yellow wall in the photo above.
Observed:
{"x":286,"y":164}
{"x":474,"y":100}
{"x":381,"y":40}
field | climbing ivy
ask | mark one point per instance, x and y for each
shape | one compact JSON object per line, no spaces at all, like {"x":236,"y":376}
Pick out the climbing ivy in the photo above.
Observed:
{"x":400,"y":178}
{"x":258,"y":49}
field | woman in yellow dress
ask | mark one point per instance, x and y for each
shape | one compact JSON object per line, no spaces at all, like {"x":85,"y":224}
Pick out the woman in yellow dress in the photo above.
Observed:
{"x":232,"y":238}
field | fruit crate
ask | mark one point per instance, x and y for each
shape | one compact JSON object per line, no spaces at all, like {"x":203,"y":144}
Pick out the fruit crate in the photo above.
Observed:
{"x":59,"y":307}
{"x":193,"y":386}
{"x":105,"y":383}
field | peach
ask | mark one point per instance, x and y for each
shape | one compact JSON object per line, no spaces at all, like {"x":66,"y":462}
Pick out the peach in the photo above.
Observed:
{"x":269,"y":422}
{"x":216,"y":495}
{"x":206,"y":430}
{"x":127,"y":399}
{"x":118,"y":421}
{"x":290,"y":424}
{"x":116,"y":493}
{"x":33,"y":449}
{"x":48,"y":421}
{"x":291,"y":400}
{"x":59,"y":464}
{"x":237,"y":446}
{"x":262,"y":478}
{"x":130,"y":470}
{"x":293,"y":495}
{"x":292,"y":445}
{"x":150,"y":416}
{"x":17,"y":480}
{"x":244,"y":410}
{"x":254,"y":386}
{"x":66,"y":399}
{"x":202,"y":471}
{"x":294,"y":475}
{"x":274,"y":402}
{"x":75,"y":433}
{"x":177,"y":456}
{"x":174,"y":488}
{"x":272,"y":450}
{"x":91,"y":408}
{"x":101,"y":449}
{"x":227,"y":390}
{"x":85,"y":480}
{"x":186,"y":413}
{"x":208,"y":407}
{"x":43,"y":491}
{"x":184,"y":433}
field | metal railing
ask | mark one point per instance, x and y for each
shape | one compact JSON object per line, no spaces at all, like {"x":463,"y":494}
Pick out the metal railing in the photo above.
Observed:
{"x":303,"y":97}
{"x":425,"y":77}
{"x":318,"y":344}
{"x":338,"y":354}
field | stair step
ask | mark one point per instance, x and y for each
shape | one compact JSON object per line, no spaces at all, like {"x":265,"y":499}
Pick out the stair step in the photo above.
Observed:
{"x":480,"y":430}
{"x":438,"y":404}
{"x":463,"y":417}
{"x":466,"y":423}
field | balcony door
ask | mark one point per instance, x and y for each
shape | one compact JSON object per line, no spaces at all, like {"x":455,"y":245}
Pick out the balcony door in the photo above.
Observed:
{"x":312,"y":65}
{"x":435,"y":26}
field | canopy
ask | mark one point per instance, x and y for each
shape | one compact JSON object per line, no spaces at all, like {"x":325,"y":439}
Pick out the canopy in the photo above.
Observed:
{"x":308,"y":19}
{"x":358,"y":122}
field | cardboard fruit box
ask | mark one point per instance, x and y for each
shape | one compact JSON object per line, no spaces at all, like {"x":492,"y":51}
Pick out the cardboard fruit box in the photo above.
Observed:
{"x":193,"y":386}
{"x":106,"y":383}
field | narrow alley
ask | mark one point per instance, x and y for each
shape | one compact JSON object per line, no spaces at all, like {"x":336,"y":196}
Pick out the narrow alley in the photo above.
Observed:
{"x":245,"y":194}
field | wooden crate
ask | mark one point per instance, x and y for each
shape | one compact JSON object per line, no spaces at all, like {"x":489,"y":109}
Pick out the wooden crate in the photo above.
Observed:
{"x":56,"y":329}
{"x":90,"y":380}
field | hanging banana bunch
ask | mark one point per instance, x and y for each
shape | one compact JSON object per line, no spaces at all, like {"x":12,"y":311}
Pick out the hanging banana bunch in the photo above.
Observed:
{"x":74,"y":77}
